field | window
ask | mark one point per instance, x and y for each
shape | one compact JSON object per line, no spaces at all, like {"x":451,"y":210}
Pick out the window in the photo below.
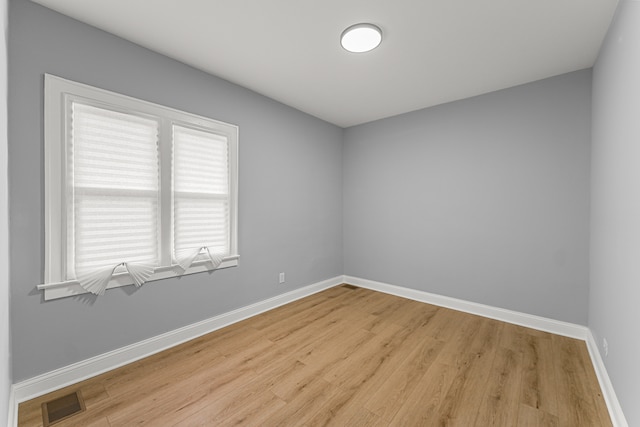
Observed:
{"x":134,"y":191}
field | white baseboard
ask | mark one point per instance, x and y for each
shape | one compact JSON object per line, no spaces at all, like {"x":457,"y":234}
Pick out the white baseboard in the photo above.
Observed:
{"x":509,"y":316}
{"x":88,"y":368}
{"x":615,"y":410}
{"x":12,"y":408}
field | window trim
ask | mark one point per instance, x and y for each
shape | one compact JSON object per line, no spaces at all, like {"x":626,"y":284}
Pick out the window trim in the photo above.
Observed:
{"x":59,"y":93}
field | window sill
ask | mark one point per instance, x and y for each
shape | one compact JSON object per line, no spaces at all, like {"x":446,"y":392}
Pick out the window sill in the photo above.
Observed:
{"x":71,"y":288}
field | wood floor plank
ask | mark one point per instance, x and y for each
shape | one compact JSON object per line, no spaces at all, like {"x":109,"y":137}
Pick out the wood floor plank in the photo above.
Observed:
{"x":375,"y":373}
{"x":539,"y":389}
{"x":252,"y":407}
{"x":420,"y":407}
{"x":531,"y":417}
{"x":326,"y":332}
{"x":351,"y":357}
{"x":343,"y":346}
{"x":298,"y":321}
{"x":462,"y":402}
{"x":335,"y":331}
{"x":576,"y":402}
{"x":239,"y":403}
{"x":444,"y":323}
{"x":378,"y":303}
{"x":364,"y":418}
{"x":189,"y":388}
{"x":338,"y":410}
{"x":416,"y":315}
{"x":305,"y":400}
{"x":387,"y":399}
{"x":154,"y":408}
{"x":366,"y":359}
{"x":272,"y":317}
{"x":500,"y":404}
{"x":459,"y":340}
{"x":127,"y":378}
{"x":593,"y":384}
{"x":102,"y":422}
{"x":294,"y":381}
{"x":488,"y":336}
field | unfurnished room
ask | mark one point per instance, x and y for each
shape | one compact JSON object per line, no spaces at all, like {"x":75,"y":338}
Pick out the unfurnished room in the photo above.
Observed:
{"x":301,"y":213}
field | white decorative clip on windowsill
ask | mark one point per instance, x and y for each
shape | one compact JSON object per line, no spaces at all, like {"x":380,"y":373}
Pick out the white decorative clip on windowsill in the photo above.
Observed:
{"x":186,"y":257}
{"x":96,"y":281}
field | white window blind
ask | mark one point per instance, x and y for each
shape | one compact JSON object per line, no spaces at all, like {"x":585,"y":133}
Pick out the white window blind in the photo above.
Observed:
{"x":113,"y":179}
{"x":134,"y":188}
{"x":200,"y":195}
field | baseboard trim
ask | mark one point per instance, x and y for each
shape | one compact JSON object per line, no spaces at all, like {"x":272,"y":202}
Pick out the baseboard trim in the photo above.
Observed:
{"x":615,"y":410}
{"x":97,"y":365}
{"x":528,"y":320}
{"x":12,"y":409}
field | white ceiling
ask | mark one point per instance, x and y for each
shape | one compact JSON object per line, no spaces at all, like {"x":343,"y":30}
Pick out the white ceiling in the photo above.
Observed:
{"x":433,"y":51}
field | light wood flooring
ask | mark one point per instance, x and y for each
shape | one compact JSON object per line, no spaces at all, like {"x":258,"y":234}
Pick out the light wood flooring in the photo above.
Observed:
{"x":350,"y":357}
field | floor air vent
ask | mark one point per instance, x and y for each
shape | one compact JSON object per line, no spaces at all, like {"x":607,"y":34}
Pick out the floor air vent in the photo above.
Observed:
{"x":62,"y":408}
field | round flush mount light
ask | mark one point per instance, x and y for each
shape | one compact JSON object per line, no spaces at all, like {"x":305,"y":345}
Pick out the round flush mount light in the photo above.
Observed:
{"x":361,"y":38}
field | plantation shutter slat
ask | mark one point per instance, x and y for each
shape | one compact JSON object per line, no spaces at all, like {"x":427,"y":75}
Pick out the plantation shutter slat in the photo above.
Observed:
{"x":113,"y":190}
{"x":201,"y":196}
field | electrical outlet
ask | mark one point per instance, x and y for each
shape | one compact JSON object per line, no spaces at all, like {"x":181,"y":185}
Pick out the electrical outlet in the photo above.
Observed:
{"x":281,"y":277}
{"x":605,"y":346}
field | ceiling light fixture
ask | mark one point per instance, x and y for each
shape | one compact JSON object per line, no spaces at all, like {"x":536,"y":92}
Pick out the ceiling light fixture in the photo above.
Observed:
{"x":361,"y":38}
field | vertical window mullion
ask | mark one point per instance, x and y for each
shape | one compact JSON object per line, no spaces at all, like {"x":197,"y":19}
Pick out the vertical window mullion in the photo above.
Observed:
{"x":166,"y":200}
{"x":233,"y":192}
{"x":66,"y":196}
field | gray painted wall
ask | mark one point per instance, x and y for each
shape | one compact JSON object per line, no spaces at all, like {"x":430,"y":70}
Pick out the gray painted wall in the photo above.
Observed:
{"x":484,"y":199}
{"x":5,"y":334}
{"x":615,"y":210}
{"x":290,"y":183}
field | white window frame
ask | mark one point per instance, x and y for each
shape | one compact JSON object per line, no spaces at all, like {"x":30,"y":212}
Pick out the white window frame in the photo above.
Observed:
{"x":59,"y":93}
